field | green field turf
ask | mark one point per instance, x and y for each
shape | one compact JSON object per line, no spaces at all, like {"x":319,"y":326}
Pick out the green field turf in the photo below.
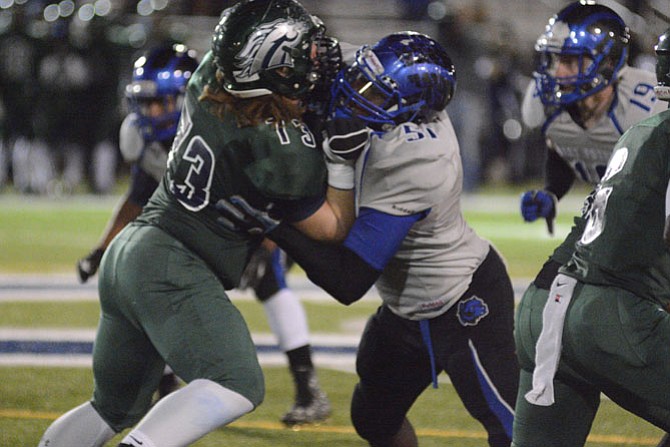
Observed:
{"x":40,"y":235}
{"x":48,"y":235}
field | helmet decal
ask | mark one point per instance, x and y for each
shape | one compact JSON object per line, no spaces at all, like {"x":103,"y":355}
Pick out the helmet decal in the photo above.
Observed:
{"x":268,"y":48}
{"x":256,"y":37}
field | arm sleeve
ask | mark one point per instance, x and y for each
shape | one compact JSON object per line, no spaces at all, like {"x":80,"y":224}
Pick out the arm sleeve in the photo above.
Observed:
{"x":142,"y":186}
{"x":347,"y":271}
{"x":559,"y":176}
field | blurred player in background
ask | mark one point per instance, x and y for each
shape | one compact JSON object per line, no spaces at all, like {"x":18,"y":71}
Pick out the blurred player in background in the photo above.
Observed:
{"x":584,"y":97}
{"x":155,"y":97}
{"x":606,"y":327}
{"x":448,"y":303}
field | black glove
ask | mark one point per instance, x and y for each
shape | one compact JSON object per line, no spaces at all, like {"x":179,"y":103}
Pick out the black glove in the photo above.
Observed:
{"x":256,"y":268}
{"x":346,"y":138}
{"x":88,"y":266}
{"x":237,"y":215}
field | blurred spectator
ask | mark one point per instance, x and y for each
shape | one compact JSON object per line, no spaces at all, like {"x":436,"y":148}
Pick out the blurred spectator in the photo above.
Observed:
{"x":77,"y":108}
{"x":460,"y":33}
{"x":19,"y":50}
{"x":502,"y":139}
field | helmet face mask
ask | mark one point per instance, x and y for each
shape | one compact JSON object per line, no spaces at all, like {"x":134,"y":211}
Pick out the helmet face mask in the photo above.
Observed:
{"x":404,"y":77}
{"x":265,"y":46}
{"x":157,"y":90}
{"x":595,"y":37}
{"x":662,"y":89}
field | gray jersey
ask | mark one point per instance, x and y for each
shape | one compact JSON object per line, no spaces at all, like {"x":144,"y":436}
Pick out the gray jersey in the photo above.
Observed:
{"x":151,"y":158}
{"x":408,"y":170}
{"x":588,"y":150}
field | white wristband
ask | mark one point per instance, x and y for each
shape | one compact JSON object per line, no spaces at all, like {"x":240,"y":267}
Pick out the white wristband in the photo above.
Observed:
{"x":340,"y":175}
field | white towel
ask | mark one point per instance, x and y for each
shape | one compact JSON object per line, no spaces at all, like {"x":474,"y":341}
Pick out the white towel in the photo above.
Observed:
{"x":548,"y":348}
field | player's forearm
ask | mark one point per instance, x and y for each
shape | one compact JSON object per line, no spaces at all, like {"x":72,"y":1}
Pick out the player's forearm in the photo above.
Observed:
{"x":559,"y":176}
{"x":333,"y":267}
{"x":341,"y":202}
{"x":331,"y":222}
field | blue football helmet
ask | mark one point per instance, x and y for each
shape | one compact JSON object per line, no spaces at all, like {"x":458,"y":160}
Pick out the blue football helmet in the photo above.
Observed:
{"x":160,"y":75}
{"x":406,"y":76}
{"x":597,"y":36}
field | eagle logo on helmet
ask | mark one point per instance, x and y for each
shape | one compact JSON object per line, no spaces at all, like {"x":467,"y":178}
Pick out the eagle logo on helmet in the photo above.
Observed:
{"x":267,"y":48}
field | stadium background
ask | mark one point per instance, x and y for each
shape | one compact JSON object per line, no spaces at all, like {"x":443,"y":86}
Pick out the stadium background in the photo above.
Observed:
{"x":64,"y":64}
{"x":62,"y":73}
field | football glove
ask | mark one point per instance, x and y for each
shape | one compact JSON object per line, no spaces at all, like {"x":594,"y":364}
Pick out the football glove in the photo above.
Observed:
{"x":237,"y":215}
{"x":539,"y":203}
{"x":346,"y":139}
{"x":88,"y":266}
{"x":256,"y":268}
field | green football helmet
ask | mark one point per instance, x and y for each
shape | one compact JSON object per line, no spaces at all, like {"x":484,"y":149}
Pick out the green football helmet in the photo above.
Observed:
{"x":662,"y":89}
{"x":255,"y":38}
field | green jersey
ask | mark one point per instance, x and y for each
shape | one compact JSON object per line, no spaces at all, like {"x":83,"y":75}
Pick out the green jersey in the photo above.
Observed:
{"x":622,"y":244}
{"x":275,"y":166}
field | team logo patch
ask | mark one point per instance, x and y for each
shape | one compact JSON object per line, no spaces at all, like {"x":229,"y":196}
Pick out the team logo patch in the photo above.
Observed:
{"x":472,"y":310}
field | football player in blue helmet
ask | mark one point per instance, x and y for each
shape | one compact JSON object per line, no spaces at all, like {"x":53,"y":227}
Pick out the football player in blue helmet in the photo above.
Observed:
{"x":584,"y":97}
{"x":592,"y":39}
{"x":157,"y":90}
{"x":447,"y":300}
{"x":404,"y":77}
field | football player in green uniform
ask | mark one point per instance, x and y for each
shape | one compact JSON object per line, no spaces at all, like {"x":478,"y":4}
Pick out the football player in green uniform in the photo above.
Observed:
{"x":154,"y":98}
{"x":163,"y":279}
{"x":605,"y":327}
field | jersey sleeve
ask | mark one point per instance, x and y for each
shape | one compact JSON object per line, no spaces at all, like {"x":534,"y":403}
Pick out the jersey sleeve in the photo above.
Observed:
{"x":375,"y":237}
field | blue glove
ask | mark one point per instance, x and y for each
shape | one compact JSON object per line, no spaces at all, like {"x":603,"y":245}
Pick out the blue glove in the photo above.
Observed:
{"x":237,"y":215}
{"x":539,"y":203}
